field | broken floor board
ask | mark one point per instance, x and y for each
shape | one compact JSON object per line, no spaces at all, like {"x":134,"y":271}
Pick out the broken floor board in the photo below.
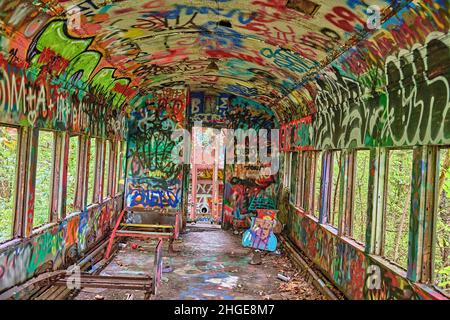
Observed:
{"x":211,"y":264}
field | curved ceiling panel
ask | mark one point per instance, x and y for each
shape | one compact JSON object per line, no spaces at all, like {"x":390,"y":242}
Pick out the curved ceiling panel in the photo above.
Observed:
{"x":258,"y":49}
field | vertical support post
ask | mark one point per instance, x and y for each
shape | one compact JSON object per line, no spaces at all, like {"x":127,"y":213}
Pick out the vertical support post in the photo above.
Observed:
{"x":30,"y":182}
{"x":376,"y":201}
{"x":325,"y":187}
{"x":114,"y":169}
{"x":25,"y":137}
{"x":194,"y":191}
{"x":83,"y":156}
{"x":346,"y":207}
{"x":98,"y":170}
{"x":422,"y":208}
{"x":59,"y":182}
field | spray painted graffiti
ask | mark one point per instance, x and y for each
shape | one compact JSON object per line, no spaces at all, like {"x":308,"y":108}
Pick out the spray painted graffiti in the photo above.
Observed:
{"x":260,"y":235}
{"x":53,"y":248}
{"x":154,"y":179}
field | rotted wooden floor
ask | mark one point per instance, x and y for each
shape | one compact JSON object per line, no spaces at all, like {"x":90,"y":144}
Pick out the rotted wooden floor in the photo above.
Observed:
{"x":207,"y":263}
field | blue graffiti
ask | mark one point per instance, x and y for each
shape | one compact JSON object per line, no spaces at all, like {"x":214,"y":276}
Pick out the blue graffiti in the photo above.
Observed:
{"x":153,"y":198}
{"x":260,"y":235}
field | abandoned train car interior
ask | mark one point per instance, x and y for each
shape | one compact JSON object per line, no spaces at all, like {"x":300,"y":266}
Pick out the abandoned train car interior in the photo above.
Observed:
{"x":224,"y":150}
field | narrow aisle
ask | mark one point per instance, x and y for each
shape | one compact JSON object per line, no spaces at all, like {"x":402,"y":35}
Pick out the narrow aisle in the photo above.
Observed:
{"x":207,"y":264}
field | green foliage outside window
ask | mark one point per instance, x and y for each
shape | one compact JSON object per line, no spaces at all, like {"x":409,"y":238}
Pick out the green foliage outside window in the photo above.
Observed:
{"x":361,"y":185}
{"x":91,"y":177}
{"x":398,"y":206}
{"x":335,"y":189}
{"x":8,"y":163}
{"x":317,"y":184}
{"x":106,"y":169}
{"x":442,"y":235}
{"x":44,"y":169}
{"x":72,"y":173}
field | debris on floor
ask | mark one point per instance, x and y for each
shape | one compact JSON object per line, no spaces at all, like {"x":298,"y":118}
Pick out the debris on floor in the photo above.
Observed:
{"x":256,"y":258}
{"x":283,"y":277}
{"x":209,"y":265}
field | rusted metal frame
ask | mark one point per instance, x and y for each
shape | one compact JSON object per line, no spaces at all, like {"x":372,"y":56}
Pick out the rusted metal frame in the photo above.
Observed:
{"x":298,"y":199}
{"x":107,"y":184}
{"x":157,"y":267}
{"x":97,"y":174}
{"x":289,"y":156}
{"x":342,"y":192}
{"x":430,"y":214}
{"x":113,"y":234}
{"x":417,"y":211}
{"x":99,"y":170}
{"x":346,"y":190}
{"x":113,"y":168}
{"x":376,"y":201}
{"x":64,"y":173}
{"x":30,"y":182}
{"x":77,"y":206}
{"x":59,"y":179}
{"x":83,"y":156}
{"x":325,"y":187}
{"x":143,"y":283}
{"x":215,"y":186}
{"x":294,"y":178}
{"x":123,"y":165}
{"x":382,"y":201}
{"x":110,"y":182}
{"x":330,"y":212}
{"x":309,"y":182}
{"x":87,"y":160}
{"x":286,"y":169}
{"x":41,"y":280}
{"x":144,"y":234}
{"x":55,"y":173}
{"x":314,"y":161}
{"x":21,"y":178}
{"x":194,"y":191}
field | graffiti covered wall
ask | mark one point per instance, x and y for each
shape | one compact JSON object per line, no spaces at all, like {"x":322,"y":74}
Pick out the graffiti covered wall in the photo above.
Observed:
{"x":389,"y":90}
{"x":247,"y":187}
{"x":52,"y":78}
{"x":57,"y":246}
{"x":392,"y":89}
{"x":153,"y":178}
{"x":355,"y":272}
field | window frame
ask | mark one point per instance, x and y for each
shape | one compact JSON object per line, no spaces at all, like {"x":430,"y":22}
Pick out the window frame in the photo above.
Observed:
{"x":106,"y":171}
{"x":77,"y":178}
{"x":120,"y":168}
{"x":16,"y":214}
{"x":329,"y":220}
{"x":431,"y":279}
{"x":318,"y":155}
{"x":348,"y":228}
{"x":382,"y":226}
{"x":94,"y":200}
{"x":50,"y":220}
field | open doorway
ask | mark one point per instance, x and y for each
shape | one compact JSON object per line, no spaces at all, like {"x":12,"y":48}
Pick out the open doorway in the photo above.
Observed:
{"x":206,"y":176}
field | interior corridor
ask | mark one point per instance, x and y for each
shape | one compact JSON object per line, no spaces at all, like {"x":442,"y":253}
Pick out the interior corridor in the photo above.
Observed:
{"x":207,"y":264}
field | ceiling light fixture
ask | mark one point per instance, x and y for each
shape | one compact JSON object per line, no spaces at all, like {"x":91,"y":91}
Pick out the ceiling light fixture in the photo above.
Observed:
{"x":212,"y":66}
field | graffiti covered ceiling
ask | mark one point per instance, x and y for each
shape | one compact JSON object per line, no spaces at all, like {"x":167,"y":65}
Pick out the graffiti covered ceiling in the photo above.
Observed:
{"x":258,"y":49}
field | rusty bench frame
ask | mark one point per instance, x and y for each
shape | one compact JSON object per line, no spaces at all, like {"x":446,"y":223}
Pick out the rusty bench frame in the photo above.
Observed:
{"x":149,"y":233}
{"x":148,"y":284}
